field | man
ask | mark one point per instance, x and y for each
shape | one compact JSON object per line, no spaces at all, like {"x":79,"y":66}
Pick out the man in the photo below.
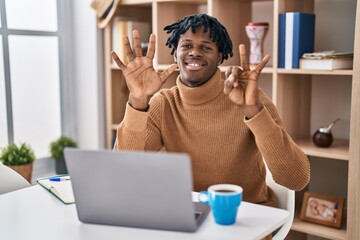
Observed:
{"x":229,"y":128}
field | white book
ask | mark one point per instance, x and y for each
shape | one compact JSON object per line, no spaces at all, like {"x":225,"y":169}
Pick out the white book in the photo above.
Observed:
{"x":326,"y":64}
{"x":289,"y":31}
{"x":115,"y":34}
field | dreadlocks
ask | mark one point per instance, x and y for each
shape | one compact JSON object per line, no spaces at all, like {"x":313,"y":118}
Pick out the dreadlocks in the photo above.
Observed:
{"x":218,"y":32}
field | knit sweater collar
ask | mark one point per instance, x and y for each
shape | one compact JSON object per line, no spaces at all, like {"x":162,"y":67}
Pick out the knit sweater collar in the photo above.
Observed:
{"x":202,"y":94}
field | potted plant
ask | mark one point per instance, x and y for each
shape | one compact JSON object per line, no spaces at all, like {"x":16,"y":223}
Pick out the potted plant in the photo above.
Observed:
{"x":20,"y":158}
{"x":57,"y":152}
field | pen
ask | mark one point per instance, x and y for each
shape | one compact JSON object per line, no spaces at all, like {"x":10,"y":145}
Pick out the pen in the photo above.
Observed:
{"x":58,"y":179}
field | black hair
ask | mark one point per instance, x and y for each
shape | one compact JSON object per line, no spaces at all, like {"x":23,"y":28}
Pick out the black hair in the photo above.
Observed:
{"x":218,"y":33}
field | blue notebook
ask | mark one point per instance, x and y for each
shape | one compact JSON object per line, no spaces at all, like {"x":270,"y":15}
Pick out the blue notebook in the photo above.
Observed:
{"x":296,"y":37}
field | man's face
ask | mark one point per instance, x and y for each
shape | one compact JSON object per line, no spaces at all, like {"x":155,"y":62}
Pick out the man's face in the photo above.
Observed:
{"x":197,"y":57}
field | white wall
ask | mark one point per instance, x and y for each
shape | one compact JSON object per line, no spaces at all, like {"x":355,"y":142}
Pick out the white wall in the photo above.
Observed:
{"x":88,"y":118}
{"x":86,"y":125}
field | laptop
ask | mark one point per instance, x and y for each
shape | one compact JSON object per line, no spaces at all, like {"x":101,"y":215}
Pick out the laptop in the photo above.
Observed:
{"x":134,"y":189}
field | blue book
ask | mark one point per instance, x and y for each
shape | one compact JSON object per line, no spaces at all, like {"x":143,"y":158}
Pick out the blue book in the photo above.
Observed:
{"x":299,"y":31}
{"x":281,"y":47}
{"x":303,"y":37}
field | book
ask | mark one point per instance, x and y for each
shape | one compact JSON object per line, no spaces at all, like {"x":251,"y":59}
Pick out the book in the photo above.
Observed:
{"x":296,"y":37}
{"x":281,"y":49}
{"x":289,"y":37}
{"x":328,"y":54}
{"x":117,"y":38}
{"x":61,"y":189}
{"x":326,"y":63}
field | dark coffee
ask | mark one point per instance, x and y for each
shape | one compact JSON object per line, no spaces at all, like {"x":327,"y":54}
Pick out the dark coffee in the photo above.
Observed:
{"x":224,"y":191}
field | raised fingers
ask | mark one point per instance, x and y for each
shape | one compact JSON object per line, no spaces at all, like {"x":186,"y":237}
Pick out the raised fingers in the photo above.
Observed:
{"x":129,"y":53}
{"x":243,"y":58}
{"x":167,"y":72}
{"x":137,"y":43}
{"x":151,"y":49}
{"x":116,"y":58}
{"x":262,"y":64}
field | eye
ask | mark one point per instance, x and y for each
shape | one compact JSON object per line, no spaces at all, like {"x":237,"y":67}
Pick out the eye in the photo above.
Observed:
{"x":187,"y":46}
{"x":206,"y":48}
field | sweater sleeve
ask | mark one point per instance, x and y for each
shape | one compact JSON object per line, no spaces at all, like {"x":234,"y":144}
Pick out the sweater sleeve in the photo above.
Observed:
{"x":139,"y":130}
{"x":288,"y":164}
{"x":131,"y":131}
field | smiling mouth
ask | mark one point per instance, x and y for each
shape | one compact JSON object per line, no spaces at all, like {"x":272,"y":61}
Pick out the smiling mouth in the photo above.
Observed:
{"x":195,"y":65}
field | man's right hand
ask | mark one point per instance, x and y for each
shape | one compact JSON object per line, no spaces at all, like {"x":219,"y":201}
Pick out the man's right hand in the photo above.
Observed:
{"x":141,"y":78}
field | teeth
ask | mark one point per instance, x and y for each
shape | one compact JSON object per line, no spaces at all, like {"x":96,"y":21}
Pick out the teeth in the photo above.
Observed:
{"x":194,"y":64}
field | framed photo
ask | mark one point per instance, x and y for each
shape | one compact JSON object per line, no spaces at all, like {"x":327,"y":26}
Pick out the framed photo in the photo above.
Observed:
{"x":322,"y":209}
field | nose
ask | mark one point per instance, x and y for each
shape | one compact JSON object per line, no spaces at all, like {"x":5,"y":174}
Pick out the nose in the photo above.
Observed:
{"x":195,"y":51}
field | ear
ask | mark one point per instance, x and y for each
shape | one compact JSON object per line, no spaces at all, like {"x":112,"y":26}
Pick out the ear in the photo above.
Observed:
{"x":175,"y":57}
{"x":220,"y":56}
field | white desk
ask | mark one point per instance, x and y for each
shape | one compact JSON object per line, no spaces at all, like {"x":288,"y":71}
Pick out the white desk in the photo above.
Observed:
{"x":33,"y":213}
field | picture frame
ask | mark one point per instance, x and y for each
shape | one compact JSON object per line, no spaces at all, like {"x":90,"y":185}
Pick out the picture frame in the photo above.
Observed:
{"x":322,"y":209}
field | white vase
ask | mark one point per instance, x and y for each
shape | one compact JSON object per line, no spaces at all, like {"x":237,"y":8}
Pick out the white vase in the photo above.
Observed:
{"x":256,"y":31}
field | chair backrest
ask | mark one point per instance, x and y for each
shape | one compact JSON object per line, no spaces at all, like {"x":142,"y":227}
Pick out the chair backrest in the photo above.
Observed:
{"x":286,"y":200}
{"x":10,"y":180}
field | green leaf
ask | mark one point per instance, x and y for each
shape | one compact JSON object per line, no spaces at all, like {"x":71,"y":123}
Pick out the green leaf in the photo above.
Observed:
{"x":57,"y":147}
{"x":17,"y":155}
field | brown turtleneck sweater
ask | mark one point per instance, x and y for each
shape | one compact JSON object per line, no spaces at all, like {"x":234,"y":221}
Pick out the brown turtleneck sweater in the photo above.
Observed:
{"x":223,"y":145}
